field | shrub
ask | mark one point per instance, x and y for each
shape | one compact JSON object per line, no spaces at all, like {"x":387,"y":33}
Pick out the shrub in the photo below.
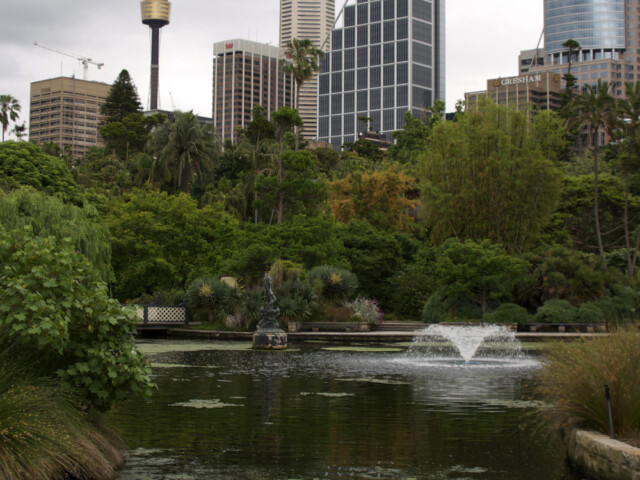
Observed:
{"x":435,"y":309}
{"x":296,"y":300}
{"x":334,"y":284}
{"x":556,"y":311}
{"x":285,"y":270}
{"x":439,"y":308}
{"x":51,"y":302}
{"x":590,"y":312}
{"x":573,"y":378}
{"x":409,"y":290}
{"x":366,"y":310}
{"x":507,"y":313}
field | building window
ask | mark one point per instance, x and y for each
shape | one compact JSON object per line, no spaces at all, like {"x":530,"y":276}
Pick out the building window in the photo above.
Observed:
{"x":388,"y":118}
{"x":422,"y":31}
{"x":403,"y":29}
{"x":421,"y":98}
{"x":403,"y":8}
{"x":389,"y":50}
{"x":363,"y":79}
{"x":422,"y":76}
{"x":336,"y":104}
{"x":403,"y":52}
{"x":375,"y":121}
{"x":349,"y":102}
{"x":403,"y":96}
{"x":324,"y":84}
{"x":375,"y":12}
{"x":350,"y":16}
{"x":349,"y":80}
{"x":323,"y":105}
{"x":350,"y":59}
{"x":363,"y":35}
{"x":336,"y":125}
{"x":402,"y":74}
{"x":336,"y":82}
{"x":363,"y":14}
{"x":349,"y":124}
{"x":336,"y":61}
{"x":374,"y":99}
{"x":375,"y":35}
{"x":362,"y":101}
{"x":422,"y":53}
{"x":350,"y":38}
{"x":389,"y":10}
{"x":363,"y":57}
{"x":323,"y":127}
{"x":375,"y":55}
{"x":375,"y":79}
{"x":389,"y":75}
{"x":422,"y":10}
{"x":388,"y":97}
{"x":389,"y":31}
{"x":336,"y":39}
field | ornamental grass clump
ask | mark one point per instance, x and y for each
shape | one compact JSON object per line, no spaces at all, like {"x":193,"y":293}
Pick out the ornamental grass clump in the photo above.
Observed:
{"x":43,"y":433}
{"x":573,"y":379}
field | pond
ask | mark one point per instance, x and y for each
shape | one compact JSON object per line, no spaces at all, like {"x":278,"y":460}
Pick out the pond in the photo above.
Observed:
{"x":224,"y":411}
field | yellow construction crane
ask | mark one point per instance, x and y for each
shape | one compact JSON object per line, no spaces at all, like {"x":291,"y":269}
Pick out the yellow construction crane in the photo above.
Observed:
{"x":84,"y":60}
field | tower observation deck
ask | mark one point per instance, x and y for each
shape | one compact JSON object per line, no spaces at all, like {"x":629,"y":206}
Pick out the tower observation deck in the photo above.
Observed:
{"x":155,"y":13}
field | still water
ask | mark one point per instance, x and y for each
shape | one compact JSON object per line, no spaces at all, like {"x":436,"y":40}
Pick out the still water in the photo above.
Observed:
{"x":223,"y":411}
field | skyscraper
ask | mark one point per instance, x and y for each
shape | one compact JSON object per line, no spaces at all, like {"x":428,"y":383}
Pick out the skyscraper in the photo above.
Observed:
{"x":246,"y":74}
{"x":387,"y":59}
{"x":313,"y":20}
{"x":155,"y":13}
{"x":607,"y":32}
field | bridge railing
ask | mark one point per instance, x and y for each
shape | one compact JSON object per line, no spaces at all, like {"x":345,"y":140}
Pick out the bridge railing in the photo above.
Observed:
{"x":150,"y":313}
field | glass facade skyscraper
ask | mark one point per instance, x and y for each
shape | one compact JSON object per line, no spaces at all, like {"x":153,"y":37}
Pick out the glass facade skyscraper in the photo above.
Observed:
{"x":597,"y":25}
{"x":387,"y":59}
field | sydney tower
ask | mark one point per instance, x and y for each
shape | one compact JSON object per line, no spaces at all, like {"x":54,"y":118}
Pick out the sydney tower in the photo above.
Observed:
{"x":155,"y":13}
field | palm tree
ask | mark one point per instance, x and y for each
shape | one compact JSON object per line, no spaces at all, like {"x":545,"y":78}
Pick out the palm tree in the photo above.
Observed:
{"x":261,"y":155}
{"x":595,"y":111}
{"x":9,"y":108}
{"x":302,"y":62}
{"x":185,"y":145}
{"x":629,"y":128}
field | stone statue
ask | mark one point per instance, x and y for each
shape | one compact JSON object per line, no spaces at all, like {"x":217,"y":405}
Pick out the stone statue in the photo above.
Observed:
{"x":270,"y":312}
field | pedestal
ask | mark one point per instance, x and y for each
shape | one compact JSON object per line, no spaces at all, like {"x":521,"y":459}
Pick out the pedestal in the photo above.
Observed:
{"x":271,"y":339}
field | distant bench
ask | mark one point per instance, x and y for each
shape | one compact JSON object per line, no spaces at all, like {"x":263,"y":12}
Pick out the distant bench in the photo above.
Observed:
{"x":334,"y":327}
{"x":567,"y":327}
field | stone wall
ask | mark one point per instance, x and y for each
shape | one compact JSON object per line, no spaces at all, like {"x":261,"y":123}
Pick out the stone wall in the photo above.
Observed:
{"x":602,"y":458}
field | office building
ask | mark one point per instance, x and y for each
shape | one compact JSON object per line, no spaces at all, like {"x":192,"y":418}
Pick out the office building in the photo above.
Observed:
{"x":66,"y":111}
{"x":529,"y":59}
{"x":608,"y":36}
{"x":387,"y":59}
{"x":312,"y":20}
{"x":540,"y":91}
{"x":246,"y":74}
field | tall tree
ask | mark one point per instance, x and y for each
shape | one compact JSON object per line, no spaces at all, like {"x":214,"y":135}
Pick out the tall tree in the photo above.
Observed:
{"x":122,"y":99}
{"x":595,"y":111}
{"x":629,"y":109}
{"x":573,"y":48}
{"x":488,"y":176}
{"x":301,"y":62}
{"x":9,"y":109}
{"x":185,"y":145}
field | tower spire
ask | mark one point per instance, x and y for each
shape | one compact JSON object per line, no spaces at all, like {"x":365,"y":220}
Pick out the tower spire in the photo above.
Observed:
{"x":155,"y":13}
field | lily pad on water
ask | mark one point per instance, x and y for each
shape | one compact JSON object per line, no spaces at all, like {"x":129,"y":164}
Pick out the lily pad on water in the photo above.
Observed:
{"x":199,"y":403}
{"x":363,"y":349}
{"x":328,"y":394}
{"x":154,"y":348}
{"x":385,"y":381}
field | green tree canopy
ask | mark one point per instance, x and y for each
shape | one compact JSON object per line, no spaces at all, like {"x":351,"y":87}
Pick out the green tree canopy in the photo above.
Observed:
{"x":121,"y":100}
{"x":9,"y":112}
{"x":24,"y":164}
{"x":49,"y":216}
{"x":486,"y":176}
{"x":162,"y":241}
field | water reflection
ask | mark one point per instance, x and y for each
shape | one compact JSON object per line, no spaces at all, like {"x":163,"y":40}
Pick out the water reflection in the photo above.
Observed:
{"x":316,"y":414}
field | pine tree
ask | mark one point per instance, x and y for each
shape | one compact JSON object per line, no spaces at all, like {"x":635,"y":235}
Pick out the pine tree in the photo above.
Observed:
{"x":122,"y":99}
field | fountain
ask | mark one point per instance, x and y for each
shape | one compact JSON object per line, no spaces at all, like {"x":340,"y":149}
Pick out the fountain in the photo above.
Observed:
{"x":269,"y":335}
{"x":473,"y":345}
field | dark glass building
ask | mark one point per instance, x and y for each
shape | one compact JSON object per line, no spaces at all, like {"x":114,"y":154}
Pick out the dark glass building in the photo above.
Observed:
{"x":387,"y":59}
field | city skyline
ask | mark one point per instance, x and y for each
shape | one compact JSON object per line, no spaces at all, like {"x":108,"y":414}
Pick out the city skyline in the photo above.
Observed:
{"x":481,"y":43}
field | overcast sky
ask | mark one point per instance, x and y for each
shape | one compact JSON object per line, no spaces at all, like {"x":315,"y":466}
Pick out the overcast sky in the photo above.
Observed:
{"x":483,"y":41}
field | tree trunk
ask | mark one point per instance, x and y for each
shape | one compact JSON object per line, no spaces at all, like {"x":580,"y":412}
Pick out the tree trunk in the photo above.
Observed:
{"x":295,"y":129}
{"x":281,"y":181}
{"x":627,"y":240}
{"x":596,"y":207}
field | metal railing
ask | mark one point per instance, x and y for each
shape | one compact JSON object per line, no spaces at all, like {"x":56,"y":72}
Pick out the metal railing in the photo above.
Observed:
{"x":149,"y":313}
